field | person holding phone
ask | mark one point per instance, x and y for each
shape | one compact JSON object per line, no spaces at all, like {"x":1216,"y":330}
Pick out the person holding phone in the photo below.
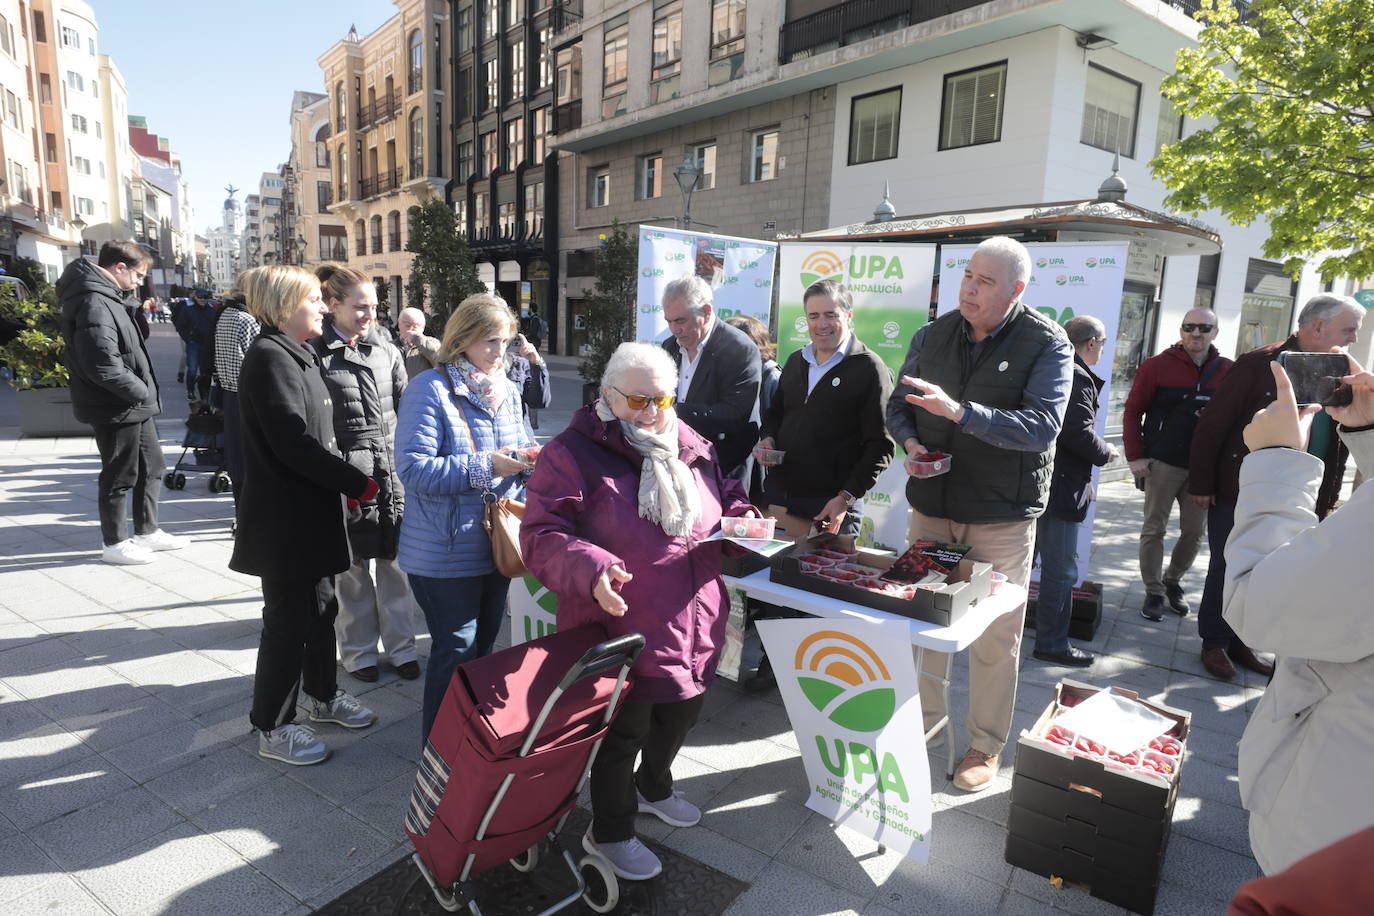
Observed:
{"x":1326,"y":322}
{"x":1304,"y":757}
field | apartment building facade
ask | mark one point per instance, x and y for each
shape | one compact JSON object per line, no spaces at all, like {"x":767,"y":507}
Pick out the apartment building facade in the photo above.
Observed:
{"x":321,"y":235}
{"x":389,"y":112}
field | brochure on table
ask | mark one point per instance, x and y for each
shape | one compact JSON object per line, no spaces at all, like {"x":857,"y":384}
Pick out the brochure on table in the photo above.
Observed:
{"x":851,"y":694}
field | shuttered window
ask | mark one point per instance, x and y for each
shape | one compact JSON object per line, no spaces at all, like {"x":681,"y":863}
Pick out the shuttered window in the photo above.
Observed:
{"x":1111,"y":105}
{"x":972,"y":109}
{"x":874,"y":120}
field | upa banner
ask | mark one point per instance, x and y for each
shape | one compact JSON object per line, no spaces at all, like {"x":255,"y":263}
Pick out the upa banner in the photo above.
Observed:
{"x":890,"y":284}
{"x":850,"y":692}
{"x":1067,"y":279}
{"x":740,"y":272}
{"x":533,"y":610}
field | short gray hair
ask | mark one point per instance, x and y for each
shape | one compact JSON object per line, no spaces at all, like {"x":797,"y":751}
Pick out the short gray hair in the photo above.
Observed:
{"x":638,"y":355}
{"x":694,"y":292}
{"x":418,"y":314}
{"x":1327,"y":305}
{"x":1083,"y":328}
{"x":1011,"y":253}
{"x":836,"y":291}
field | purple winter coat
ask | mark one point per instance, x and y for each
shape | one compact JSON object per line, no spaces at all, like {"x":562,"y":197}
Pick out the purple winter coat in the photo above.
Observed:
{"x":582,"y":517}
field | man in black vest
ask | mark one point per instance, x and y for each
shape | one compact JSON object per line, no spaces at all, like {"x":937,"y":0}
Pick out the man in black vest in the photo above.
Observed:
{"x":718,"y":372}
{"x":988,"y":385}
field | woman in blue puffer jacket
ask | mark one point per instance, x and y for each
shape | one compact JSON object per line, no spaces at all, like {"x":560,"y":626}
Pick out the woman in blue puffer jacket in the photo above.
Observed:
{"x":458,"y":436}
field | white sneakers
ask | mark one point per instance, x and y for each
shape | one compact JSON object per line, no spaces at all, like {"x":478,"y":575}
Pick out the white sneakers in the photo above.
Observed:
{"x":630,"y":859}
{"x":294,"y":744}
{"x":674,"y":810}
{"x":140,"y":549}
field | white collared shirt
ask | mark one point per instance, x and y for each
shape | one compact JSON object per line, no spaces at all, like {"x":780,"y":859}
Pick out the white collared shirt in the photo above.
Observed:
{"x":687,"y":366}
{"x":816,"y":371}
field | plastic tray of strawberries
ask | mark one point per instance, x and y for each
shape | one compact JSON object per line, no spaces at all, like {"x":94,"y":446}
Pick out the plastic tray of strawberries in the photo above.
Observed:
{"x":1159,"y":761}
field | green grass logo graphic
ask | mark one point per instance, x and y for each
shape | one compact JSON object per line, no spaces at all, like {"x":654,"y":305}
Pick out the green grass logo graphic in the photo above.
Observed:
{"x":840,"y":675}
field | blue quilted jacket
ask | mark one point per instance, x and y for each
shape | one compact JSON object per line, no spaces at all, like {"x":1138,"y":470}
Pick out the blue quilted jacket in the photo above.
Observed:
{"x":443,"y":446}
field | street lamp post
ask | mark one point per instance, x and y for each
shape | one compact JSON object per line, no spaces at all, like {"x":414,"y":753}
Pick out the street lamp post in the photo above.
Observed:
{"x":688,"y":177}
{"x":79,"y":225}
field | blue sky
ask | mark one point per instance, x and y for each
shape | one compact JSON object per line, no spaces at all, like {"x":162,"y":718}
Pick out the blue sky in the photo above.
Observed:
{"x":216,"y":78}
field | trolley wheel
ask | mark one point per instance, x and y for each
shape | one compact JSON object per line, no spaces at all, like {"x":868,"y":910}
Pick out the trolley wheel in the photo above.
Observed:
{"x":220,"y":483}
{"x":179,"y":481}
{"x":170,"y":480}
{"x":603,"y":890}
{"x":528,"y":860}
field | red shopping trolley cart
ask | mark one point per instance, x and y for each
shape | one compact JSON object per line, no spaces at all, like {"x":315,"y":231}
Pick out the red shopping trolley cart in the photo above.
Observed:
{"x":511,"y":747}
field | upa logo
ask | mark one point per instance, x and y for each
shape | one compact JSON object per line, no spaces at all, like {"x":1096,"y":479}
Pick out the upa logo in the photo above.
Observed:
{"x":675,"y":256}
{"x":649,"y":308}
{"x":1090,"y":263}
{"x":891,"y":329}
{"x":763,"y":282}
{"x":844,"y":679}
{"x":821,"y":265}
{"x":800,"y":324}
{"x":650,"y":272}
{"x":1049,"y":262}
{"x":749,"y":265}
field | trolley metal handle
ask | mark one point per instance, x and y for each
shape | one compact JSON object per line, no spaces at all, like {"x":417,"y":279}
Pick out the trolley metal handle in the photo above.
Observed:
{"x":620,"y":652}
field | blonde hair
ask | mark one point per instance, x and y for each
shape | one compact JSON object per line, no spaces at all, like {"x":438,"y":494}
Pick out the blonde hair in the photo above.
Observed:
{"x":275,"y":293}
{"x":476,"y":318}
{"x":337,"y":281}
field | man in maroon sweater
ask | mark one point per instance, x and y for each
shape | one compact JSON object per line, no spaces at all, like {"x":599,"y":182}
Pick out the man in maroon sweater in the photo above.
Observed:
{"x":1157,"y":429}
{"x":1326,"y":321}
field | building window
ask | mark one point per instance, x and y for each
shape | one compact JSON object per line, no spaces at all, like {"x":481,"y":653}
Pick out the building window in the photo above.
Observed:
{"x":971,"y":112}
{"x":96,"y":125}
{"x":321,"y":155}
{"x":71,"y":38}
{"x":534,"y":208}
{"x":1170,"y":127}
{"x":489,"y":154}
{"x":360,"y":235}
{"x":515,"y":11}
{"x":1111,"y":104}
{"x":545,"y":39}
{"x":598,"y":186}
{"x":505,"y":219}
{"x":705,"y":156}
{"x":324,"y":196}
{"x":515,"y":80}
{"x":568,"y":75}
{"x":615,"y":68}
{"x":377,"y":234}
{"x":460,"y":215}
{"x":874,"y":123}
{"x":667,"y":53}
{"x":480,"y":216}
{"x":415,"y":73}
{"x":650,"y":182}
{"x":340,"y":109}
{"x":764,"y":161}
{"x":539,"y":132}
{"x":491,"y":93}
{"x":40,"y":33}
{"x":6,"y":36}
{"x":50,"y":147}
{"x":82,"y":165}
{"x":464,"y":166}
{"x":515,"y":143}
{"x":85,"y":206}
{"x":44,"y":88}
{"x":417,"y":144}
{"x":13,"y":117}
{"x":463,"y":102}
{"x":491,"y":24}
{"x":343,"y":173}
{"x":79,"y":123}
{"x":393,"y":231}
{"x":464,"y":29}
{"x":76,"y":81}
{"x":727,"y":41}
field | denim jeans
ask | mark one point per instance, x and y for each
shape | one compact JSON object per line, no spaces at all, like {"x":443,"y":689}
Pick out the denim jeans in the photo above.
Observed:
{"x":1057,"y":543}
{"x":464,"y":618}
{"x":1216,"y":633}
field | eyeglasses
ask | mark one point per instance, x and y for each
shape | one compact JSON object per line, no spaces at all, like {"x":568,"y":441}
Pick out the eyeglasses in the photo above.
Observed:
{"x":1200,"y":328}
{"x":641,"y":401}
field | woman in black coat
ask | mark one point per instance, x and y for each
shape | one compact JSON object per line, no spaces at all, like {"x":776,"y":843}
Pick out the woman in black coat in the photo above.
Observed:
{"x":291,"y":516}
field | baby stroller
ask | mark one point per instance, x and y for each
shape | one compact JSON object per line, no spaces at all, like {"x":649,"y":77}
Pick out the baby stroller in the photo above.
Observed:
{"x":204,"y":441}
{"x":520,"y":728}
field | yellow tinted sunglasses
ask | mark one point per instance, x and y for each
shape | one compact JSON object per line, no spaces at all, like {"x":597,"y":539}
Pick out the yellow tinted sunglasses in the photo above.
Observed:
{"x":641,"y":401}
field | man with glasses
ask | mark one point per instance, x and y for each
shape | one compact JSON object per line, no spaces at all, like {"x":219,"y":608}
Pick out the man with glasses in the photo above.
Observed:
{"x":114,"y":390}
{"x":1158,"y":421}
{"x":718,"y":372}
{"x":1326,"y":321}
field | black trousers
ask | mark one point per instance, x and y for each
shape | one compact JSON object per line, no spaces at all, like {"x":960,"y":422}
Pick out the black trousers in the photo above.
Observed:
{"x":652,"y":731}
{"x":233,"y":440}
{"x":130,"y":459}
{"x":297,"y":649}
{"x":1216,"y":633}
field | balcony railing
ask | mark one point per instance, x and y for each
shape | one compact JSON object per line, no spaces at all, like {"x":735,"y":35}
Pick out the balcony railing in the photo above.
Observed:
{"x":565,"y":14}
{"x":372,"y":185}
{"x":379,"y":111}
{"x":567,"y":116}
{"x":393,"y":241}
{"x":417,"y":168}
{"x":335,"y":251}
{"x":376,"y":244}
{"x":361,"y":247}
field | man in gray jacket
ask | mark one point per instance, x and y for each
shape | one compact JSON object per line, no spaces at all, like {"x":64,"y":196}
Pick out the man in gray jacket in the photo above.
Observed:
{"x":114,"y":390}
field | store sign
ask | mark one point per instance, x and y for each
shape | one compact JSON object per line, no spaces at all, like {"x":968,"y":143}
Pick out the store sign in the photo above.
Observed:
{"x":851,"y":695}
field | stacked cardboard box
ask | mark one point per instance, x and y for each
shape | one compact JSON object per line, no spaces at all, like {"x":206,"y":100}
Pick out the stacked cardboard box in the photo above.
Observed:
{"x":1085,"y":613}
{"x":1102,"y":827}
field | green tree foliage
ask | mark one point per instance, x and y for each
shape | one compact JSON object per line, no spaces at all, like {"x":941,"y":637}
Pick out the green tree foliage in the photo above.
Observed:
{"x":1287,"y":98}
{"x":610,"y":307}
{"x":443,"y":265}
{"x":34,"y":353}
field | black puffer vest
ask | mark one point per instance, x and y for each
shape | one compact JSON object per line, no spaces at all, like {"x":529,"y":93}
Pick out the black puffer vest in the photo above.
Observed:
{"x":986,"y":483}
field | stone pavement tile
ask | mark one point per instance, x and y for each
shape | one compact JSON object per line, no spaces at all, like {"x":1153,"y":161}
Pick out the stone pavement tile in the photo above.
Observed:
{"x":970,"y":844}
{"x":1160,"y":636}
{"x":146,"y":876}
{"x":197,"y":699}
{"x":992,"y":804}
{"x":33,"y":749}
{"x":718,"y":851}
{"x":60,"y":895}
{"x":23,"y":868}
{"x":1212,"y":822}
{"x":701,"y":782}
{"x":137,"y":653}
{"x":254,"y":821}
{"x":1215,"y":705}
{"x":241,"y":890}
{"x":215,"y":778}
{"x":384,"y":808}
{"x":937,"y":887}
{"x":96,"y":833}
{"x":20,"y":633}
{"x":327,"y":847}
{"x":755,"y":716}
{"x":1203,"y":779}
{"x":196,"y":626}
{"x":363,"y":870}
{"x":179,"y":743}
{"x":1205,"y":869}
{"x":1175,"y":899}
{"x":239,"y":653}
{"x":1021,"y":905}
{"x":763,"y":808}
{"x":1213,"y":745}
{"x":1027,"y":885}
{"x":95,"y":634}
{"x":350,"y":772}
{"x":128,"y":715}
{"x":783,"y":889}
{"x":40,"y":654}
{"x":727,"y":748}
{"x":63,"y":789}
{"x":840,"y":857}
{"x":179,"y":669}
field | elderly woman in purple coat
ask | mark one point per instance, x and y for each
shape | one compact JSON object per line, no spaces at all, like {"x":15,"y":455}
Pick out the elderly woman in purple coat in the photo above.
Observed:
{"x":615,"y":516}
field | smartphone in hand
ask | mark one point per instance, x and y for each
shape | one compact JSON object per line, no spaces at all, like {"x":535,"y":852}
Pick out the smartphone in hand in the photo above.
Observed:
{"x":1316,"y":377}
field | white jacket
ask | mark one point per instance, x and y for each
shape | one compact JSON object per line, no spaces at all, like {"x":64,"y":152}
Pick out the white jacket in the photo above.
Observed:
{"x":1306,"y":592}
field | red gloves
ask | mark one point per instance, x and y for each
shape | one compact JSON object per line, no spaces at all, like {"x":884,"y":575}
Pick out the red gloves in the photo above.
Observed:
{"x":369,"y":492}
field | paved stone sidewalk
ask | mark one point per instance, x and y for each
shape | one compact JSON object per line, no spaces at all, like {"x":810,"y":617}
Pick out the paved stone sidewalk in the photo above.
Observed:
{"x":129,"y":781}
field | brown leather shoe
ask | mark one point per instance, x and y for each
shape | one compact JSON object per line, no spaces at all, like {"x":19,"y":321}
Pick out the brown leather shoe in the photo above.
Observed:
{"x":975,"y":771}
{"x":1218,"y":664}
{"x":1244,"y":656}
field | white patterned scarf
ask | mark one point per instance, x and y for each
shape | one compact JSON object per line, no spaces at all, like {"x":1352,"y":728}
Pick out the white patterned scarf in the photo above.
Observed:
{"x":668,"y":494}
{"x":490,"y":388}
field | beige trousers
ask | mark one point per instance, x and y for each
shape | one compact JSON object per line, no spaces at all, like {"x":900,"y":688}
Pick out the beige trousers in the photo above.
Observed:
{"x":1166,"y":486}
{"x":994,"y":657}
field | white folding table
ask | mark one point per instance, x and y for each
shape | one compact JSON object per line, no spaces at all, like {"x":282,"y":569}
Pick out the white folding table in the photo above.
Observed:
{"x":951,"y":639}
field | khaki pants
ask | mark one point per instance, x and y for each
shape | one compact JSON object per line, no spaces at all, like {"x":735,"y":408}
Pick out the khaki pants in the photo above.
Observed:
{"x":371,"y":610}
{"x":1166,"y":486}
{"x":994,"y":657}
